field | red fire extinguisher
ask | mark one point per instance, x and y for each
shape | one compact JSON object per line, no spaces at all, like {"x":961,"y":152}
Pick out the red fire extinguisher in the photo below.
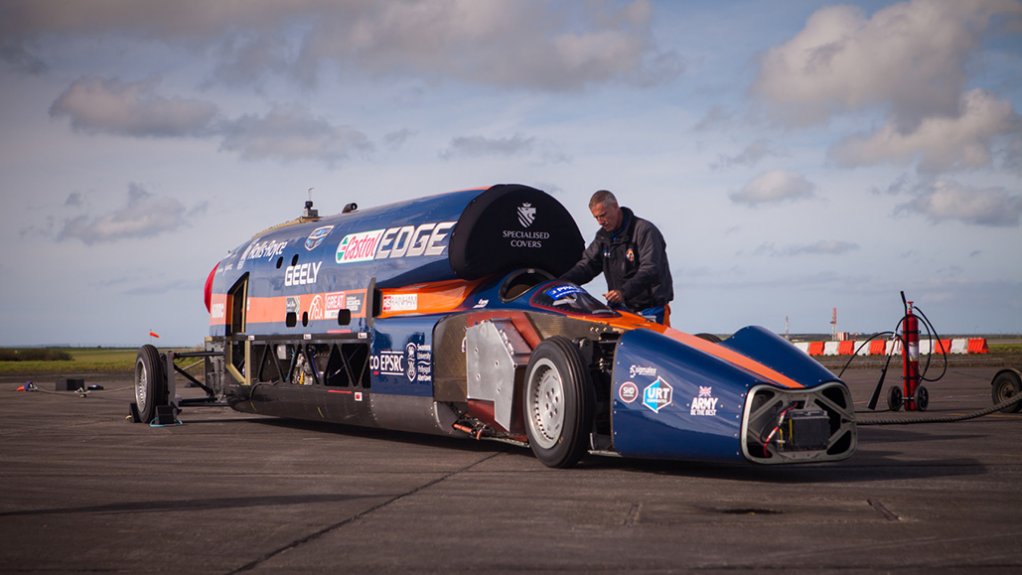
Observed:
{"x":912,"y":395}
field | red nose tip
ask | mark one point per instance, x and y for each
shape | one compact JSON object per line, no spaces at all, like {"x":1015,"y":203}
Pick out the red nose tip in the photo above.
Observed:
{"x":208,"y":290}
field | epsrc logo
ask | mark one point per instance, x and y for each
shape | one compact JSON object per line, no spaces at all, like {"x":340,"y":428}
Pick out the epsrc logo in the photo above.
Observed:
{"x":404,"y":241}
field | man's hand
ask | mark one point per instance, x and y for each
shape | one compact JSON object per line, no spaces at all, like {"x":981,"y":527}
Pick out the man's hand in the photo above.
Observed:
{"x":614,"y":296}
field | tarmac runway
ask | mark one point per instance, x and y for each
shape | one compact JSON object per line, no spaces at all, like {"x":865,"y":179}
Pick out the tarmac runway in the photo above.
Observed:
{"x":82,"y":490}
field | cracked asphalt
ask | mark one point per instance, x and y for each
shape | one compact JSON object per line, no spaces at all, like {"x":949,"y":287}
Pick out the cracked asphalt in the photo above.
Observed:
{"x":82,"y":490}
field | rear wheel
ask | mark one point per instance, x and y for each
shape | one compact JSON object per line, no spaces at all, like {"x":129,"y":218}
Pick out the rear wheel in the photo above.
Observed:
{"x":150,"y":383}
{"x":1006,"y":385}
{"x":922,"y":397}
{"x":559,"y":400}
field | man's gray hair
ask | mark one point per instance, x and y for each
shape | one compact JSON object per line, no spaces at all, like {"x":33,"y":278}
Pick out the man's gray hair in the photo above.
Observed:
{"x":602,"y":197}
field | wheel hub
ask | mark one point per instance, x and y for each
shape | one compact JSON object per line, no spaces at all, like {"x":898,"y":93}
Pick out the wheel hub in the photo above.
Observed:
{"x":546,"y":405}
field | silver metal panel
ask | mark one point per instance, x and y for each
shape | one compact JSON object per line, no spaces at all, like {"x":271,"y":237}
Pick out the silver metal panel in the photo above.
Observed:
{"x":411,"y":413}
{"x":494,"y":351}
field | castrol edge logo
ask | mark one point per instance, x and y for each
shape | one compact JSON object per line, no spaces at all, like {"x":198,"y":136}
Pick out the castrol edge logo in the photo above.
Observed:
{"x":404,"y":241}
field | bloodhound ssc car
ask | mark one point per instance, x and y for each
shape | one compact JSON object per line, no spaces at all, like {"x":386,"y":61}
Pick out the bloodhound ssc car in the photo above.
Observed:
{"x":445,"y":315}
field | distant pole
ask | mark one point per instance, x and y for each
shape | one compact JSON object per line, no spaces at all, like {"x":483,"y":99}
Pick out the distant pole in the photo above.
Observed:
{"x":833,"y":325}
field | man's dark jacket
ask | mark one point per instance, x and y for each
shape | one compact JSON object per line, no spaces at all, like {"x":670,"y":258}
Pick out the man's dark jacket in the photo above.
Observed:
{"x":634,"y":260}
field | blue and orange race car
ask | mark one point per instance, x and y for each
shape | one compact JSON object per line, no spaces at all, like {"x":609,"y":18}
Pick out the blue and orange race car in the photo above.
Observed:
{"x":444,"y":315}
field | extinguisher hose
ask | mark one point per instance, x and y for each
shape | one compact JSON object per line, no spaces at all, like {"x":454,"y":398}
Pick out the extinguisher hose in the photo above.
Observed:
{"x":877,"y":419}
{"x":943,"y":352}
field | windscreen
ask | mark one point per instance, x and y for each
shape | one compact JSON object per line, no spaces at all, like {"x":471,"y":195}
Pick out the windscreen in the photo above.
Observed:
{"x":570,"y":299}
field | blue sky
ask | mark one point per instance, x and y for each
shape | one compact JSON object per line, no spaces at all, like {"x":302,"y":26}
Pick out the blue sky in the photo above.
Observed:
{"x":798,"y":156}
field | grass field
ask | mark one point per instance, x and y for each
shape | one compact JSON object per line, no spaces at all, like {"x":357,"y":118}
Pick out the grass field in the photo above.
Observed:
{"x":83,"y":360}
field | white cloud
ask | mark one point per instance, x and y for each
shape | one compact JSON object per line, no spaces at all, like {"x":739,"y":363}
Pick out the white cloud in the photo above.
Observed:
{"x":482,"y":146}
{"x":99,"y":105}
{"x":290,"y":133}
{"x":940,"y":143}
{"x":749,"y":156}
{"x":397,"y":138}
{"x":821,"y":247}
{"x":949,"y":200}
{"x":714,"y":119}
{"x":143,"y":215}
{"x":774,"y":187}
{"x":909,"y":57}
{"x":542,"y":45}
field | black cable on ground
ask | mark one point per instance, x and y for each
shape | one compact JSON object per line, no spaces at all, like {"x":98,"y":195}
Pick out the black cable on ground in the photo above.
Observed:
{"x":896,"y":420}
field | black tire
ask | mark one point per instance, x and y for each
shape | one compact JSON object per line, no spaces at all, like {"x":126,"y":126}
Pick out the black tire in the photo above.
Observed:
{"x":150,"y":383}
{"x":559,"y":403}
{"x":894,"y":399}
{"x":1006,"y":385}
{"x":922,"y":398}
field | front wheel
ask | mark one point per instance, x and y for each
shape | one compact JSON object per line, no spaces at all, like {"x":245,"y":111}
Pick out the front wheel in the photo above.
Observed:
{"x":559,"y":403}
{"x":150,"y":383}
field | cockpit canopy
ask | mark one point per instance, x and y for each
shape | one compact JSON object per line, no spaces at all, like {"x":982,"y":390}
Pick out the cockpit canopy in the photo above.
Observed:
{"x":569,"y":299}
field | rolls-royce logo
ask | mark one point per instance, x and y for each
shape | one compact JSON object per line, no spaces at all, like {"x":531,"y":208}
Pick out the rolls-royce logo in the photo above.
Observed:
{"x":526,"y":214}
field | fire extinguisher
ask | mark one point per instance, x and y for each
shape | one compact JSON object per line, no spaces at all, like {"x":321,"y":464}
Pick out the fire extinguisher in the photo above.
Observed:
{"x":913,"y":395}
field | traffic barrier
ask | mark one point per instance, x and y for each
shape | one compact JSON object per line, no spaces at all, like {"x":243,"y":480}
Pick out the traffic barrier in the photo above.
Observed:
{"x":978,"y":345}
{"x":960,"y":345}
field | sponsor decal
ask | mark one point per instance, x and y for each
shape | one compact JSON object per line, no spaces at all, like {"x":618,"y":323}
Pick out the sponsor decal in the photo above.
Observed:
{"x":360,"y":247}
{"x":317,"y":236}
{"x":419,"y":362}
{"x":353,"y":302}
{"x":293,"y":304}
{"x":336,"y":301}
{"x":524,"y":239}
{"x":557,"y":292}
{"x":657,"y":395}
{"x":427,"y":239}
{"x":414,"y":363}
{"x":646,"y":370}
{"x":627,"y":392}
{"x":704,"y":404}
{"x":526,"y":214}
{"x":268,"y":249}
{"x":316,"y":308}
{"x":358,"y":396}
{"x":387,"y":362}
{"x":333,"y":303}
{"x":481,"y":303}
{"x":217,"y":310}
{"x":401,"y":302}
{"x":303,"y":274}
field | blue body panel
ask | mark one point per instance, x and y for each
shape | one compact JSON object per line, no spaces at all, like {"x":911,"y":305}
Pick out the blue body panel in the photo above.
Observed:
{"x":409,"y":258}
{"x":775,"y":352}
{"x":671,"y":400}
{"x":402,"y":356}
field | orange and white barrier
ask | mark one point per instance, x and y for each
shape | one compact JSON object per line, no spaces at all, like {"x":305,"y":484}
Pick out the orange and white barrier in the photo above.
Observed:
{"x":958,"y":345}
